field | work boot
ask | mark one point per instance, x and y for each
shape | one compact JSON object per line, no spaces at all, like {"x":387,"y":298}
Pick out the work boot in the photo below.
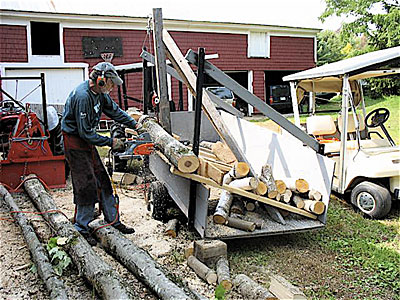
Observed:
{"x":89,"y":238}
{"x":124,"y":229}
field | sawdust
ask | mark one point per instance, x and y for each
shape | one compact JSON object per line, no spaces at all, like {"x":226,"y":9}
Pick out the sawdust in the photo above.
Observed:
{"x":22,"y":283}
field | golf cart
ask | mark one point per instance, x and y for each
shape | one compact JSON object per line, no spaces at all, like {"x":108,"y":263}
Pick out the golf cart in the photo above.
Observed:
{"x":367,"y":162}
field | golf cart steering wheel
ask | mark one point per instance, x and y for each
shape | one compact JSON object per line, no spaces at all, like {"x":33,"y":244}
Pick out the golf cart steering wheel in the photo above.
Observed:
{"x":377,"y":117}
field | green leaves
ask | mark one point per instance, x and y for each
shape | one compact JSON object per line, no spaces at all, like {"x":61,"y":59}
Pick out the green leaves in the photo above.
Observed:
{"x":219,"y":292}
{"x":59,"y":258}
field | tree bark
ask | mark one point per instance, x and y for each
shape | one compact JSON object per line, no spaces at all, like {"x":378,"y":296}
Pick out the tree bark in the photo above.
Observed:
{"x":223,"y":207}
{"x":300,"y":185}
{"x":178,"y":154}
{"x":316,"y":207}
{"x":223,"y":274}
{"x":237,"y":206}
{"x":247,"y":183}
{"x":138,"y":261}
{"x":314,"y":195}
{"x":298,"y":201}
{"x":268,"y":179}
{"x":250,"y":289}
{"x":286,"y":196}
{"x":104,"y":279}
{"x":54,"y":285}
{"x":241,"y":224}
{"x":172,"y":228}
{"x":202,"y":270}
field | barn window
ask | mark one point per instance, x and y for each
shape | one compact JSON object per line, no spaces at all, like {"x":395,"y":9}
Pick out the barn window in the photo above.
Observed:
{"x":258,"y":44}
{"x":45,"y":38}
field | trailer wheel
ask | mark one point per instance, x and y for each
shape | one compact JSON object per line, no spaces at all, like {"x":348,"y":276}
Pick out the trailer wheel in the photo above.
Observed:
{"x":159,"y":200}
{"x":372,"y":199}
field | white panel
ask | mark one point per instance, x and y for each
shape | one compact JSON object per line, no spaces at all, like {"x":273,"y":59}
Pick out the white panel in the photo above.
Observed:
{"x":258,"y":44}
{"x":287,"y":155}
{"x":59,"y":83}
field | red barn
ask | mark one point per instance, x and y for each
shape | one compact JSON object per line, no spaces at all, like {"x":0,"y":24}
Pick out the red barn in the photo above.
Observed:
{"x":65,"y":47}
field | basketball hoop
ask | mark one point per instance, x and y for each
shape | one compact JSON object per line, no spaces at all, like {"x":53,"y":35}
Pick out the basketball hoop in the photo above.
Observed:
{"x":107,"y":56}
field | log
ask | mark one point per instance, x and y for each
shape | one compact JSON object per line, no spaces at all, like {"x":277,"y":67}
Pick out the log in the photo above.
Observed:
{"x":178,"y":154}
{"x":300,"y":185}
{"x":223,"y":274}
{"x":261,"y":188}
{"x":239,"y":170}
{"x":298,"y":201}
{"x":237,"y":206}
{"x":316,"y":207}
{"x":269,"y":181}
{"x":250,"y":289}
{"x":54,"y":285}
{"x":250,"y":205}
{"x":209,"y":251}
{"x":286,"y":196}
{"x":102,"y":276}
{"x":202,"y":270}
{"x":314,"y":195}
{"x":247,"y":183}
{"x":223,"y":152}
{"x":223,"y":207}
{"x":189,"y":250}
{"x":240,"y":224}
{"x":280,"y":186}
{"x":172,"y":228}
{"x":283,"y":289}
{"x":138,"y":261}
{"x":214,"y":173}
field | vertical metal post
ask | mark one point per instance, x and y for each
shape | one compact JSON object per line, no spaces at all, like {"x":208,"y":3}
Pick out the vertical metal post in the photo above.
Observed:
{"x":161,"y":70}
{"x":124,"y":92}
{"x":180,"y":96}
{"x":44,"y":101}
{"x":120,"y":95}
{"x":196,"y":134}
{"x":343,"y":134}
{"x":145,"y":85}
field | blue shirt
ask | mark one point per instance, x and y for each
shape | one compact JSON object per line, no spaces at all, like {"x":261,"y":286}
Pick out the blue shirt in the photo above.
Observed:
{"x":82,"y":114}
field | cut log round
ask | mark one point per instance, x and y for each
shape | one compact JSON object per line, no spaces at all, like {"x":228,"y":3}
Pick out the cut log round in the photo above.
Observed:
{"x":178,"y":154}
{"x":295,"y":184}
{"x":223,"y":207}
{"x":250,"y":289}
{"x":138,"y":261}
{"x":316,"y":207}
{"x":298,"y":201}
{"x":103,"y":278}
{"x":237,"y":206}
{"x":261,"y":188}
{"x":239,"y":170}
{"x":223,"y":274}
{"x":54,"y":285}
{"x":250,"y":205}
{"x":202,"y":270}
{"x":314,"y":195}
{"x":268,"y":179}
{"x":189,"y":250}
{"x":280,"y":186}
{"x":209,"y":251}
{"x":241,"y":224}
{"x":172,"y":228}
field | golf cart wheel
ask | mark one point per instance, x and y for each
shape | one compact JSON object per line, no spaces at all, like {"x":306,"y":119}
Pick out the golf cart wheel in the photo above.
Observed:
{"x":372,"y":199}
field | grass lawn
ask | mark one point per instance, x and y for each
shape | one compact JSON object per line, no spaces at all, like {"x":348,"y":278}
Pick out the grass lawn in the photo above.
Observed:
{"x":351,"y":258}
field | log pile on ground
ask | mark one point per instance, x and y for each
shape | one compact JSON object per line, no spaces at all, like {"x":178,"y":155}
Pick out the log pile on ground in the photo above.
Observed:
{"x":208,"y":259}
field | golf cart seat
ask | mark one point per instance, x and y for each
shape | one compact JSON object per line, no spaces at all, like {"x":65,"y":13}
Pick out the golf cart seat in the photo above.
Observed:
{"x":323,"y":128}
{"x":351,"y":127}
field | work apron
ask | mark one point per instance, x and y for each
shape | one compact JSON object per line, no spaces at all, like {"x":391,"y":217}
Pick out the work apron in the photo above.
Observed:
{"x":88,"y":174}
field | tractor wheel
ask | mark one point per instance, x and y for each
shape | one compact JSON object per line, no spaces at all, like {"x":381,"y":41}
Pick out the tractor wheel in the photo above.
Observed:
{"x":372,"y":199}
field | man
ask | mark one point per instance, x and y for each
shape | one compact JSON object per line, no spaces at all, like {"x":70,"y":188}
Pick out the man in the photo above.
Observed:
{"x":81,"y":116}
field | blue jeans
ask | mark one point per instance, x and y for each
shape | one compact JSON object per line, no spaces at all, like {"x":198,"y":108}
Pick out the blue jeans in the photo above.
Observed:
{"x":85,"y":213}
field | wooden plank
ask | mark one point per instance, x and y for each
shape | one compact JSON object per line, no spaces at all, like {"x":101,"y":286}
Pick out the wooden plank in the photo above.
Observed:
{"x":214,"y":173}
{"x":283,"y":289}
{"x":185,"y":71}
{"x":247,"y":194}
{"x":161,"y":70}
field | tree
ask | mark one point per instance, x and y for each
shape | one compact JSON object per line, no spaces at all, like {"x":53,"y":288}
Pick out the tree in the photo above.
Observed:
{"x":377,"y":21}
{"x":328,"y":44}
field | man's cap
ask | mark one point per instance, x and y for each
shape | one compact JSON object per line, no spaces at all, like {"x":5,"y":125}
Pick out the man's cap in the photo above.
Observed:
{"x":109,"y":72}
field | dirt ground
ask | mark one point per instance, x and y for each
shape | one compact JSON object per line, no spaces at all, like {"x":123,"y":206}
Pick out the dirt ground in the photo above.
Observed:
{"x":19,"y":281}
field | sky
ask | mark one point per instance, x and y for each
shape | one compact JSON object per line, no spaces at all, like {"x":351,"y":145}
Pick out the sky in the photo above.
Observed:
{"x":298,"y":13}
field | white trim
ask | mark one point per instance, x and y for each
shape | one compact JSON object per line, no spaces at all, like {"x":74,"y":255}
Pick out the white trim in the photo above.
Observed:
{"x":190,"y":100}
{"x":169,"y":86}
{"x":140,"y":23}
{"x":250,"y":82}
{"x":315,"y":50}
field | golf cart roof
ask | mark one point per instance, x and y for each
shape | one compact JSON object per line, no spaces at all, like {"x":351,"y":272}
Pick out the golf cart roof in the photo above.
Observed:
{"x":358,"y":67}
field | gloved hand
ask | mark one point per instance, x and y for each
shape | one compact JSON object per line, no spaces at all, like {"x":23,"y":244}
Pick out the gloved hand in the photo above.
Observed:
{"x":118,"y":144}
{"x":139,"y":128}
